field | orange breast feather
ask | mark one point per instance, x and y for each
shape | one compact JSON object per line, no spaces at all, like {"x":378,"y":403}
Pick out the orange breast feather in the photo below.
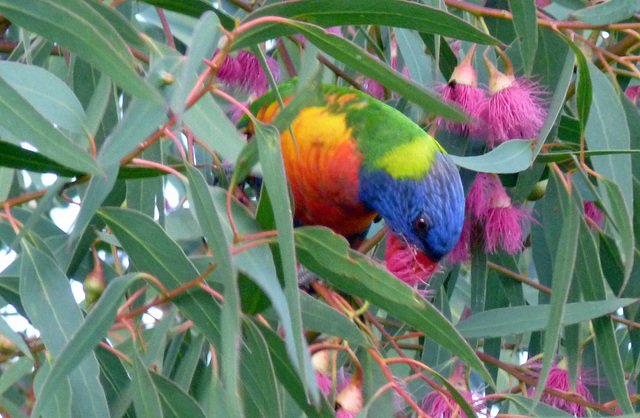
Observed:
{"x":322,"y":168}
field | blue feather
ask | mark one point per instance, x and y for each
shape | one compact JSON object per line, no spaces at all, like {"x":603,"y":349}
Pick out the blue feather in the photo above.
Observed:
{"x":438,"y":198}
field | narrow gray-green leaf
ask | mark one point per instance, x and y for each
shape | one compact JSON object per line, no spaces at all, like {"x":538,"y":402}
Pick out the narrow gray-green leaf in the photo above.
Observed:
{"x":152,"y":251}
{"x":46,"y":296}
{"x":607,"y":129}
{"x":26,"y":124}
{"x":204,"y":43}
{"x":557,"y":101}
{"x":176,"y":402}
{"x":94,"y":328}
{"x":522,"y":319}
{"x":8,"y":332}
{"x":258,"y":375}
{"x":52,"y":98}
{"x":400,"y":14}
{"x":526,"y":25}
{"x":564,"y":265}
{"x":14,"y":372}
{"x":328,"y":255}
{"x":607,"y":12}
{"x":146,"y":400}
{"x":211,"y":226}
{"x":321,"y":317}
{"x":593,"y":285}
{"x":275,"y":180}
{"x":509,"y":157}
{"x":81,"y":29}
{"x":417,"y":61}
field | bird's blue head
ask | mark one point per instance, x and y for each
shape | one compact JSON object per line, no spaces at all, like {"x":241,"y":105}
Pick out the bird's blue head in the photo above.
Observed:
{"x":428,"y":213}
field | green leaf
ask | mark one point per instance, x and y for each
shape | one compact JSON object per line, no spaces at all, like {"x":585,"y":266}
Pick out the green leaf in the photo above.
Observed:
{"x":51,"y":307}
{"x":516,"y":320}
{"x":327,"y":13}
{"x":607,"y":129}
{"x":530,"y":407}
{"x":261,"y":398}
{"x":607,"y":12}
{"x":562,"y":156}
{"x":564,"y":264}
{"x":288,"y":377}
{"x":52,"y":98}
{"x":205,"y":39}
{"x":176,"y":403}
{"x":592,"y":283}
{"x":329,"y":256}
{"x":152,"y":251}
{"x":211,"y":125}
{"x":194,"y":8}
{"x":412,"y":49}
{"x":146,"y":399}
{"x":188,"y":363}
{"x":275,"y":180}
{"x":9,"y":333}
{"x":81,"y":29}
{"x":584,"y":89}
{"x":17,"y":157}
{"x":213,"y":231}
{"x":15,"y":371}
{"x":321,"y":317}
{"x":559,"y":94}
{"x":359,"y":60}
{"x":526,"y":26}
{"x":26,"y":124}
{"x":509,"y":157}
{"x":87,"y":336}
{"x":621,"y":218}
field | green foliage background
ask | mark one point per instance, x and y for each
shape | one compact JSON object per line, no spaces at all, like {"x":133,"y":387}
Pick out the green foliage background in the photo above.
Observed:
{"x":79,"y":74}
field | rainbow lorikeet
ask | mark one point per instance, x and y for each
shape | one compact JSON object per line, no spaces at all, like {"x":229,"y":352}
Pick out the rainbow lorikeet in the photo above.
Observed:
{"x":355,"y":157}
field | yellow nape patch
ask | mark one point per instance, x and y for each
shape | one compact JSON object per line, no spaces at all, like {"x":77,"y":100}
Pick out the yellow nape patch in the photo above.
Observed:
{"x":411,"y":160}
{"x":318,"y":127}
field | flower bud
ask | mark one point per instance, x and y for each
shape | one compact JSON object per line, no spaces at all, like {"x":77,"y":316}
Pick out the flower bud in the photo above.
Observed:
{"x":7,"y":346}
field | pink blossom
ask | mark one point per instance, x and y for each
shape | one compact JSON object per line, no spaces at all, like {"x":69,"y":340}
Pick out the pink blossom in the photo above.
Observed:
{"x":632,"y":93}
{"x":593,"y":213}
{"x":324,"y":383}
{"x":463,"y":90}
{"x":438,"y":405}
{"x":245,"y":72}
{"x":490,"y":217}
{"x":504,"y":229}
{"x":472,"y":100}
{"x":559,"y":379}
{"x":461,"y":253}
{"x":406,"y":263}
{"x":515,"y":107}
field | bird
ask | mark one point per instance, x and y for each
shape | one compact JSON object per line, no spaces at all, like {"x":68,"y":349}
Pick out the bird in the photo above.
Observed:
{"x":352,"y":158}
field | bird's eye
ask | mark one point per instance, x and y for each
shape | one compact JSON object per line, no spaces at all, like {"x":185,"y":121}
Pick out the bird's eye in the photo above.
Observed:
{"x":422,"y":225}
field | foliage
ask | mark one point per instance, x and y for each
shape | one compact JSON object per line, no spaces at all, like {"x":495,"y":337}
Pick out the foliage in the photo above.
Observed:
{"x":117,"y":114}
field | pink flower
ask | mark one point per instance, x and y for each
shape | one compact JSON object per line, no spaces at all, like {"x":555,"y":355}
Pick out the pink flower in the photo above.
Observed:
{"x":245,"y":72}
{"x":632,"y":93}
{"x":593,"y":214}
{"x":463,"y":90}
{"x":504,"y":229}
{"x":406,"y":263}
{"x":559,"y":379}
{"x":438,"y":405}
{"x":324,"y":383}
{"x":515,"y":107}
{"x":490,"y":217}
{"x":461,"y":253}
